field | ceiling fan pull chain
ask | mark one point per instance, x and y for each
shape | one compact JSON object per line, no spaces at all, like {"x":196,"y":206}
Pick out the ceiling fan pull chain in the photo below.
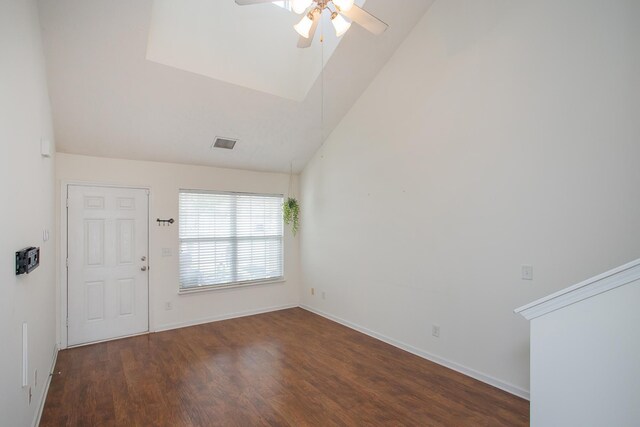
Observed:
{"x":322,"y":83}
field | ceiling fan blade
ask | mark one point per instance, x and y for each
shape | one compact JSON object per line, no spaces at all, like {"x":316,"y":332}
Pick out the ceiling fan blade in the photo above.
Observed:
{"x":304,"y":43}
{"x":248,"y":2}
{"x":365,"y":20}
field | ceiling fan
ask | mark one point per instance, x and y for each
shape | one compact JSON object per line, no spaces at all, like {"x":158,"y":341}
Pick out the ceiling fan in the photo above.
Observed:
{"x":313,"y":9}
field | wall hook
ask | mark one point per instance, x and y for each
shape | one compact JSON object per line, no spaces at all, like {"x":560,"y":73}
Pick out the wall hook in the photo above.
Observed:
{"x":165,"y":222}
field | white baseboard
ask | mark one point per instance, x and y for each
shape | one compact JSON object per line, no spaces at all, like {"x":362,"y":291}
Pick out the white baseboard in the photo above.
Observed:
{"x":170,"y":326}
{"x":510,"y":388}
{"x":43,"y":397}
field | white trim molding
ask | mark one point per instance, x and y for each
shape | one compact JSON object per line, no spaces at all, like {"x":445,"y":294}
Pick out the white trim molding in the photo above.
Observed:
{"x":604,"y":282}
{"x":45,"y":391}
{"x":170,"y":326}
{"x":487,"y":379}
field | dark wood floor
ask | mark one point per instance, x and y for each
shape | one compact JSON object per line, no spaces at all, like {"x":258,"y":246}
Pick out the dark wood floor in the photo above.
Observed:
{"x":287,"y":368}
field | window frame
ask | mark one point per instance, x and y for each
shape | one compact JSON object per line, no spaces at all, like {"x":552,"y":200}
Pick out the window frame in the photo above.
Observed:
{"x":237,"y":284}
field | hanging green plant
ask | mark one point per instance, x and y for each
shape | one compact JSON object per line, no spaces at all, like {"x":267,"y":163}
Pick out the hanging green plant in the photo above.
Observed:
{"x":291,"y":214}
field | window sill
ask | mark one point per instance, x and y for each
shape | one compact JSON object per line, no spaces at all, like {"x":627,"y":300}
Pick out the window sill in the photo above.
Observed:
{"x":214,"y":288}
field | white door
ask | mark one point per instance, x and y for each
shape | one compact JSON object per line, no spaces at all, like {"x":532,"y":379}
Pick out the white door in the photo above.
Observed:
{"x":108,"y":283}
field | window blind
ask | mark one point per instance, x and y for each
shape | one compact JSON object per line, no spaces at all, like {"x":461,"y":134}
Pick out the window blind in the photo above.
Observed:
{"x":229,"y":238}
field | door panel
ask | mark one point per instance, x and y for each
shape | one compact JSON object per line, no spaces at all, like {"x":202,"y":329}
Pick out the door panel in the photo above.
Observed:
{"x":107,"y":268}
{"x":94,"y":242}
{"x":127,"y":299}
{"x":125,"y":241}
{"x":94,"y":292}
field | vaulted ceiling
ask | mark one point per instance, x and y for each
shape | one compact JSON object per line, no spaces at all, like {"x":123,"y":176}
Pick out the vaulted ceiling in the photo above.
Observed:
{"x":120,"y":88}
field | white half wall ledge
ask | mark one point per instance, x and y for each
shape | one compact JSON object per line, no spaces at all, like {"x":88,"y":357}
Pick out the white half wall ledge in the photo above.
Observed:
{"x":604,"y":282}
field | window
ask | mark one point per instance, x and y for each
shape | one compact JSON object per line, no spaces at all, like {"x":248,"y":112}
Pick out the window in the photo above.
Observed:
{"x":283,"y":4}
{"x":229,"y":238}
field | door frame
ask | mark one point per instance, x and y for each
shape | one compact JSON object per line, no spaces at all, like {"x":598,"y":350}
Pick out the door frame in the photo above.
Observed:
{"x":63,"y":287}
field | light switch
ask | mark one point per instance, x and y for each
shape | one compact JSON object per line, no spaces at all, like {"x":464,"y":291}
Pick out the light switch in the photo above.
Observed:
{"x":527,"y":272}
{"x":167,"y":252}
{"x":45,"y":147}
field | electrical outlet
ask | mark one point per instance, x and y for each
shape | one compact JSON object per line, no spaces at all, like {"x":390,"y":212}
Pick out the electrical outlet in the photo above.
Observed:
{"x":435,"y":331}
{"x":324,"y":295}
{"x":168,"y":305}
{"x":527,"y":272}
{"x":313,"y":291}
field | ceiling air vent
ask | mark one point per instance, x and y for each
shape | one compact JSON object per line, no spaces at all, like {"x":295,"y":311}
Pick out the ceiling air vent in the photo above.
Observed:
{"x":226,"y":143}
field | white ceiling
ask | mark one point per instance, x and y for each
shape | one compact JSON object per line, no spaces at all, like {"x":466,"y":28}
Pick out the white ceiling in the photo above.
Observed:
{"x":109,"y":100}
{"x":195,"y":35}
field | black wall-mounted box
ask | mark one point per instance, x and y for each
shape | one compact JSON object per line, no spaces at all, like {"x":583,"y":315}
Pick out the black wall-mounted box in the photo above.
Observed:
{"x":27,"y":260}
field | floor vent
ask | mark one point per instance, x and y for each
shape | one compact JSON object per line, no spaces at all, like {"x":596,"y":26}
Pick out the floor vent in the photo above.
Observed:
{"x":226,"y":143}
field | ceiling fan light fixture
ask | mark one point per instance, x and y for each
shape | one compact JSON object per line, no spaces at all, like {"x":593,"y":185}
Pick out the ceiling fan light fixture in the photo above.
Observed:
{"x":344,"y":5}
{"x":299,"y":6}
{"x":304,"y":26}
{"x":340,"y":24}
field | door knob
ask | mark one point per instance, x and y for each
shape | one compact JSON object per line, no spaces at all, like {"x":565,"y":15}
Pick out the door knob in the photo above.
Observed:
{"x":143,"y":268}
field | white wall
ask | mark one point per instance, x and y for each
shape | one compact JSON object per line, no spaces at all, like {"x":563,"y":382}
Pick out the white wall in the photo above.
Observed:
{"x":501,"y":133}
{"x":584,"y":362}
{"x":165,"y":180}
{"x":27,"y":209}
